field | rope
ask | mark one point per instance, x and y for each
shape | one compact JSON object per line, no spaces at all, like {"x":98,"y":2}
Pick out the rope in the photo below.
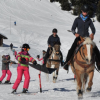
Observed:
{"x":54,"y":60}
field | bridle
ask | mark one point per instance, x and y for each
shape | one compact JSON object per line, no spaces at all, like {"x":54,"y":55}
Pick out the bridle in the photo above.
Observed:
{"x":55,"y":53}
{"x":81,"y":63}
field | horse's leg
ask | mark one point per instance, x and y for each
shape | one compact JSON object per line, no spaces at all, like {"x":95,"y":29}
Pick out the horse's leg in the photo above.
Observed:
{"x":79,"y":83}
{"x":54,"y":77}
{"x":84,"y":81}
{"x":57,"y":73}
{"x":91,"y":74}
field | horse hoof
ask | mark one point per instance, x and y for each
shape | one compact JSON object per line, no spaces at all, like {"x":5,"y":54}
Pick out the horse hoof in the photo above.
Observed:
{"x":80,"y":93}
{"x":88,"y":89}
{"x":54,"y":82}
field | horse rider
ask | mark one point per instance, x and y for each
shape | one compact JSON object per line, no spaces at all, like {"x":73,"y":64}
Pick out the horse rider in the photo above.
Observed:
{"x":54,"y":38}
{"x":82,"y":23}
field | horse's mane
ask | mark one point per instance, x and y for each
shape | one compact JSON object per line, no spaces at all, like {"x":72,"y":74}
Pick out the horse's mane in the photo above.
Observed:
{"x":88,"y":41}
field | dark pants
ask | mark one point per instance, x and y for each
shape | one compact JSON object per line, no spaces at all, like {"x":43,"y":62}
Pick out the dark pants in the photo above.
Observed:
{"x":73,"y":47}
{"x":47,"y":55}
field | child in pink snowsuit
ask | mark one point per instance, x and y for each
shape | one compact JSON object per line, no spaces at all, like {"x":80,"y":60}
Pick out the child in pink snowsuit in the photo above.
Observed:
{"x":23,"y":58}
{"x":5,"y":69}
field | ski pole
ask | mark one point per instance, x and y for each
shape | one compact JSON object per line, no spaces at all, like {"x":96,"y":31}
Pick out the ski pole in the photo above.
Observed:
{"x":40,"y":82}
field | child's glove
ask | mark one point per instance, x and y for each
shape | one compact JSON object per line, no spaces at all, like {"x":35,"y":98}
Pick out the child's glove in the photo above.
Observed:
{"x":35,"y":62}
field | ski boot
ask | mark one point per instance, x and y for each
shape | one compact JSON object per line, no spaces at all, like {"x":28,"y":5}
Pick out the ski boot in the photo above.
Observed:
{"x":24,"y":90}
{"x":14,"y":91}
{"x":7,"y":82}
{"x":0,"y":82}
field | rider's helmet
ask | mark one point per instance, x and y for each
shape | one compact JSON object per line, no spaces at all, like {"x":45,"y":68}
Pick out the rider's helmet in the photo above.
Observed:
{"x":54,"y":30}
{"x":85,"y":8}
{"x":25,"y":47}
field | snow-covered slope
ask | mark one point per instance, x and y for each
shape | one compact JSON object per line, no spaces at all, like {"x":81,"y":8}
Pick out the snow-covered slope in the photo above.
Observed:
{"x":35,"y":20}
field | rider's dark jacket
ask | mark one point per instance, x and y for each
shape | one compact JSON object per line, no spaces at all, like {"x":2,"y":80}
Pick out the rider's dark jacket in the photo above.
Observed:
{"x":83,"y":26}
{"x":52,"y":40}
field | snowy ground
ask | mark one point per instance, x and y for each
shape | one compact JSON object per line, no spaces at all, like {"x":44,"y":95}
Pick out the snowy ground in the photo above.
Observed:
{"x":35,"y":21}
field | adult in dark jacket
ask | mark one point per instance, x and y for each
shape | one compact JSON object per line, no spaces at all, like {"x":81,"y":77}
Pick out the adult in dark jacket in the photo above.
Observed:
{"x":54,"y":38}
{"x":82,"y":23}
{"x":5,"y":68}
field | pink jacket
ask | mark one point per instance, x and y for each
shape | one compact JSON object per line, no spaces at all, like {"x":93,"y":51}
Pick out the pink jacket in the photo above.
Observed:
{"x":25,"y":55}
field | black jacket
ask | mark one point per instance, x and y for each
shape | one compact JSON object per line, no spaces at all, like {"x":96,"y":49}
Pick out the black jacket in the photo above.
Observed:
{"x":52,"y":40}
{"x":83,"y":27}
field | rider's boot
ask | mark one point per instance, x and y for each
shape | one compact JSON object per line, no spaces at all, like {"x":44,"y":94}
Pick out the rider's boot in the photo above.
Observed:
{"x":62,"y":62}
{"x":46,"y":56}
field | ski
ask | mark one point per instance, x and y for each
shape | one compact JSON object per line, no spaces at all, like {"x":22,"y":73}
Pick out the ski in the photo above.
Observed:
{"x":6,"y":83}
{"x":20,"y":93}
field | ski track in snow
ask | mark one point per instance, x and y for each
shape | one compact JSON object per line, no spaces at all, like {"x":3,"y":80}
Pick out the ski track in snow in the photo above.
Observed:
{"x":35,"y":21}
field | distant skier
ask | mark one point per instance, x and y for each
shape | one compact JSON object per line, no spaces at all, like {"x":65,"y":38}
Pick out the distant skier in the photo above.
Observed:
{"x":41,"y":59}
{"x":23,"y":58}
{"x":5,"y":69}
{"x":15,"y":23}
{"x":11,"y":46}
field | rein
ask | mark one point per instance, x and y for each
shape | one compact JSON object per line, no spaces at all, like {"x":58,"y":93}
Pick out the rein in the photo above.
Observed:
{"x":54,"y":60}
{"x":83,"y":64}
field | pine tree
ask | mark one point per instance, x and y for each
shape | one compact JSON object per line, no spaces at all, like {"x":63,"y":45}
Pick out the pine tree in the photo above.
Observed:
{"x":65,"y":5}
{"x":51,"y":0}
{"x":72,"y":2}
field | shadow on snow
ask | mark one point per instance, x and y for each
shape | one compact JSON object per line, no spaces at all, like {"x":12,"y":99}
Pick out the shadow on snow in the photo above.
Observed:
{"x":96,"y":94}
{"x":5,"y":45}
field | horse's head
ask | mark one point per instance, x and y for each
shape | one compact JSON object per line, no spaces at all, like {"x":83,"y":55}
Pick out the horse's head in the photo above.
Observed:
{"x":87,"y":50}
{"x":57,"y":48}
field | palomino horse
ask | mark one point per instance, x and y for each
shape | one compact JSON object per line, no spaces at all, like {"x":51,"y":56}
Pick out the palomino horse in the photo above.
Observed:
{"x":83,"y":64}
{"x":54,"y":61}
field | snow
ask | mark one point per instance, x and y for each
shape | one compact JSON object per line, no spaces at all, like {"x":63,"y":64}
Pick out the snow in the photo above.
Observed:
{"x":35,"y":20}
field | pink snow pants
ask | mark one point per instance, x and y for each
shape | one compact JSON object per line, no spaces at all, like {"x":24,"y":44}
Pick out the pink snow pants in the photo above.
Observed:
{"x":20,"y":71}
{"x":4,"y":72}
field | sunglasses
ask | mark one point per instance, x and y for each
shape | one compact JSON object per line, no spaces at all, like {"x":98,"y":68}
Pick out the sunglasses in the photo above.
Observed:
{"x":26,"y":49}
